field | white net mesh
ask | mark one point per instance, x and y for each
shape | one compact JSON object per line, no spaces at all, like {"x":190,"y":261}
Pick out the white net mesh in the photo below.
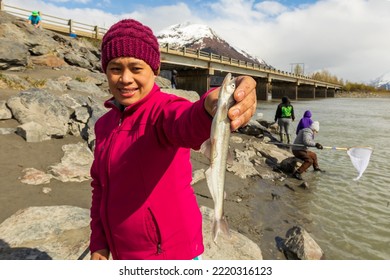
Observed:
{"x":360,"y":157}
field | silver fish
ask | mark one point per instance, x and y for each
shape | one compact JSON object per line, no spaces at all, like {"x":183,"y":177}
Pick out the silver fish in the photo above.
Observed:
{"x":219,"y":147}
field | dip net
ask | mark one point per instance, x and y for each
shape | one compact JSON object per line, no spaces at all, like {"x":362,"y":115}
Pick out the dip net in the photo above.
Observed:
{"x":360,"y":157}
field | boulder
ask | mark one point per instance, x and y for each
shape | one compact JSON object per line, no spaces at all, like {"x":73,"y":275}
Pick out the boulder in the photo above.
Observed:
{"x":43,"y":233}
{"x":300,"y":245}
{"x":45,"y":109}
{"x":75,"y":164}
{"x":235,"y":247}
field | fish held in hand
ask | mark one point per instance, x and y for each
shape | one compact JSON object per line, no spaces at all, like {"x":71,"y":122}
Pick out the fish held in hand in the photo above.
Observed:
{"x":218,"y":146}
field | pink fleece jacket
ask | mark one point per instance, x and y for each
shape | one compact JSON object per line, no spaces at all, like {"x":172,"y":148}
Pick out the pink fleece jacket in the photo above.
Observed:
{"x":143,"y":206}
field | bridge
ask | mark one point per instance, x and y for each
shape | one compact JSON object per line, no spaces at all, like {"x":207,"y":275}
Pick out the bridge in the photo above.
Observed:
{"x":198,"y":70}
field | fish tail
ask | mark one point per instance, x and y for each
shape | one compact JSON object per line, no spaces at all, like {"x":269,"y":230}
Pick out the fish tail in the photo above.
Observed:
{"x":220,"y":226}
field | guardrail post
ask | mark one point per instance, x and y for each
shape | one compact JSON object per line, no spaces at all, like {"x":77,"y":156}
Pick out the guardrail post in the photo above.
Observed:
{"x":70,"y":23}
{"x":96,"y":29}
{"x":1,"y":5}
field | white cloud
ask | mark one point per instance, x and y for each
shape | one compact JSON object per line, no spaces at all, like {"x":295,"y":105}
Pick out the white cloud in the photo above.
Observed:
{"x":271,"y":8}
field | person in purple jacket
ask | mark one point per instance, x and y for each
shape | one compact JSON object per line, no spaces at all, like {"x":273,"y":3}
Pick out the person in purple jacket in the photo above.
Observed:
{"x":143,"y":205}
{"x":305,"y":121}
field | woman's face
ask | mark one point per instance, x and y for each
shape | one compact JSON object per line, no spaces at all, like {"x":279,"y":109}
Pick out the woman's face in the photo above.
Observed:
{"x":129,"y":79}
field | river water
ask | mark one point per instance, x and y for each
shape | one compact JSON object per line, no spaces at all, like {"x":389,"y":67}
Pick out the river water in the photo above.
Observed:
{"x":350,"y":220}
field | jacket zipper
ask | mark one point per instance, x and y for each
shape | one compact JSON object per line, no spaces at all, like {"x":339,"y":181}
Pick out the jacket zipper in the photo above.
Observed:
{"x":112,"y":143}
{"x":120,"y":120}
{"x":159,"y":250}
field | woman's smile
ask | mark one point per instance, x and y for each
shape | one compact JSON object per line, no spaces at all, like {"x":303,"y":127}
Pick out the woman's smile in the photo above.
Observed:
{"x":129,"y":79}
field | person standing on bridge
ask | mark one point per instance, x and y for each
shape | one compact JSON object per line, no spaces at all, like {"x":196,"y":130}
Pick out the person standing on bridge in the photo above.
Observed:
{"x":35,"y":19}
{"x":143,"y":205}
{"x":284,"y":116}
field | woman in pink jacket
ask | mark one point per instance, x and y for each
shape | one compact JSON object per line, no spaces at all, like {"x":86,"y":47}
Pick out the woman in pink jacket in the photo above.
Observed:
{"x":143,"y":206}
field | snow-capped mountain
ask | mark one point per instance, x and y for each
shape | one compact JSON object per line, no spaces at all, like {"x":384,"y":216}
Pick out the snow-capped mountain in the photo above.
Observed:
{"x":200,"y":36}
{"x":382,"y":81}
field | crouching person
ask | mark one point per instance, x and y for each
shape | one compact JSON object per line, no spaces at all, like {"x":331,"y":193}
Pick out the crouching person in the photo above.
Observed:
{"x":300,"y":149}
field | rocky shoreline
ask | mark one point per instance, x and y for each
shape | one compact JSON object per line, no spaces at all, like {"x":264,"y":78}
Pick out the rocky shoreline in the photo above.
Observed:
{"x":383,"y":94}
{"x":51,"y":94}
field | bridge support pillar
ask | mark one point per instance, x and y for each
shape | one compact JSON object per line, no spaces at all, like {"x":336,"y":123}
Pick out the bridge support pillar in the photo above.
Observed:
{"x":306,"y":91}
{"x":331,"y":92}
{"x":280,"y":89}
{"x":263,"y":89}
{"x":197,"y":80}
{"x":296,"y":87}
{"x":320,"y":92}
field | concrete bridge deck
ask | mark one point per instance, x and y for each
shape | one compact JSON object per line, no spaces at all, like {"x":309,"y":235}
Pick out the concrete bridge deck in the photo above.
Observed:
{"x":199,"y":71}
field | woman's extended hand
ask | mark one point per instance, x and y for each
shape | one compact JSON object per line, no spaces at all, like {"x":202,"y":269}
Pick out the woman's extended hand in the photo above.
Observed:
{"x":246,"y":100}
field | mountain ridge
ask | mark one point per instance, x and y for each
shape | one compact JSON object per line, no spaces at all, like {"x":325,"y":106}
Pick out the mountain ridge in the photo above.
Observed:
{"x":382,"y":81}
{"x":202,"y":37}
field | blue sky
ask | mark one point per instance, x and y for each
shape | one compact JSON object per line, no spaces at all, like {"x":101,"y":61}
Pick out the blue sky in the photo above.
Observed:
{"x":120,"y":6}
{"x":348,"y":38}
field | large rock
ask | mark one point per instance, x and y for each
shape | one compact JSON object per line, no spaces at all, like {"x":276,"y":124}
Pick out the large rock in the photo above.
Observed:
{"x":5,"y":113}
{"x":90,"y":88}
{"x":300,"y":245}
{"x":237,"y":247}
{"x":39,"y":106}
{"x":32,"y":132}
{"x":13,"y":55}
{"x":52,"y":232}
{"x":75,"y":165}
{"x":49,"y":60}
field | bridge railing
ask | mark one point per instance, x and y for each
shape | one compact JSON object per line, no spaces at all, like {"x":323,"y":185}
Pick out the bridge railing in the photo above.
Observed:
{"x":67,"y":26}
{"x":167,"y":48}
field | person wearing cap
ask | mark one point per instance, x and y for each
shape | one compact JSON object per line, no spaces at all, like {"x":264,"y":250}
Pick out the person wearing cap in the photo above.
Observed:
{"x":284,"y":116}
{"x":305,"y":139}
{"x":35,"y":19}
{"x":143,"y":205}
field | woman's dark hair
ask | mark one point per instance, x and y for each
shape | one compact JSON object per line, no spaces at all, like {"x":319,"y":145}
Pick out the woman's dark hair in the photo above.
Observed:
{"x":285,"y":99}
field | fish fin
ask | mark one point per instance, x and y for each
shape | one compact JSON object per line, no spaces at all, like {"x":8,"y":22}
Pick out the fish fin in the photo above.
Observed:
{"x":210,"y":182}
{"x":205,"y":148}
{"x":220,"y":226}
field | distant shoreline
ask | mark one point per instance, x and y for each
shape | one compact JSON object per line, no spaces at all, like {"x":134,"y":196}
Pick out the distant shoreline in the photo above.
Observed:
{"x":362,"y":94}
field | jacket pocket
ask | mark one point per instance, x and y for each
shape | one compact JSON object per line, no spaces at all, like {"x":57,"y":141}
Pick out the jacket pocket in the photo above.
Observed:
{"x":153,"y":230}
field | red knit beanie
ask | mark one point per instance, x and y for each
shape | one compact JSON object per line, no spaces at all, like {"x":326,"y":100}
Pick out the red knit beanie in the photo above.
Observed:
{"x":130,"y":38}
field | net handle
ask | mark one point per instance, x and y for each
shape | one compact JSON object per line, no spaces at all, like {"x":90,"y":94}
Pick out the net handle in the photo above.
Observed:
{"x":325,"y":147}
{"x":336,"y":148}
{"x":345,"y":148}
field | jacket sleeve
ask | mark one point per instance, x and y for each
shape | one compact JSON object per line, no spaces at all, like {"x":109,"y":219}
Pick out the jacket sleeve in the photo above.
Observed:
{"x":292,"y":113}
{"x":278,"y":112}
{"x":98,"y":238}
{"x":185,"y":124}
